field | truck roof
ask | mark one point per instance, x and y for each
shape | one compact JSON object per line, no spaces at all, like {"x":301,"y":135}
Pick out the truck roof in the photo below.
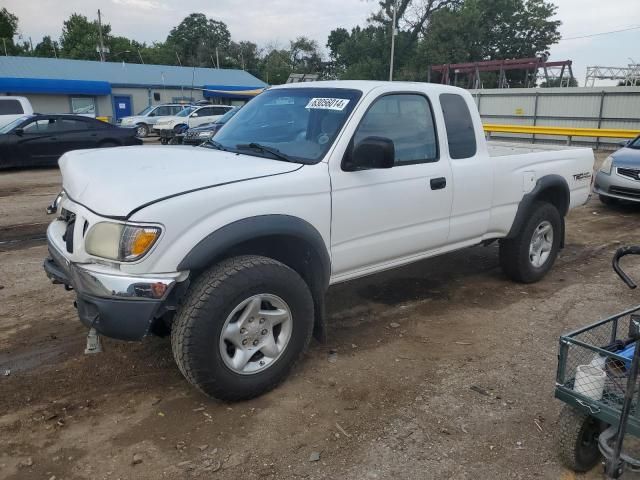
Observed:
{"x":367,"y":85}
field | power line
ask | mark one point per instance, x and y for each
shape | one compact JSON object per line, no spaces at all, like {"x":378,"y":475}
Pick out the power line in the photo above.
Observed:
{"x":601,"y":33}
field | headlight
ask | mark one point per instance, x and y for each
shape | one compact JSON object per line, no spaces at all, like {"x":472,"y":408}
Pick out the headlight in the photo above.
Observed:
{"x":607,"y":165}
{"x":117,"y":241}
{"x":205,"y":134}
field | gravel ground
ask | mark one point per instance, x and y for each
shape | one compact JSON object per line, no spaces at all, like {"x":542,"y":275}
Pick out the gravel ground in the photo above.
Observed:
{"x":444,"y":369}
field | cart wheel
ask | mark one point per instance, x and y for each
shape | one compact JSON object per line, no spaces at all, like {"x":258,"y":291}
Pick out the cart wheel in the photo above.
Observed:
{"x":578,"y":439}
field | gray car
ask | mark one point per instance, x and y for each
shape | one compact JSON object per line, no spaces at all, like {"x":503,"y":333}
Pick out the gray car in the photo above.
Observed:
{"x":619,"y":175}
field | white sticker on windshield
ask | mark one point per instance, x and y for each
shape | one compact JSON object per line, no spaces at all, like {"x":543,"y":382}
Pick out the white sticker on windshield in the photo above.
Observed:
{"x":327,"y":103}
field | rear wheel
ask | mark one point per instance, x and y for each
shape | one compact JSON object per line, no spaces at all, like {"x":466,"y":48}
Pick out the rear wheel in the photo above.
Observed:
{"x":243,"y":325}
{"x":142,"y":130}
{"x":578,"y":440}
{"x":530,"y":255}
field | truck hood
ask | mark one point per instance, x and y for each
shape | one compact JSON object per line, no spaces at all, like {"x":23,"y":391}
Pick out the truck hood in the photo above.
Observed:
{"x":115,"y":181}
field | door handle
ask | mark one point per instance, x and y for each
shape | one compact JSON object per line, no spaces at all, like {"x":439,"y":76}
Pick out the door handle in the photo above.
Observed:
{"x":438,"y":183}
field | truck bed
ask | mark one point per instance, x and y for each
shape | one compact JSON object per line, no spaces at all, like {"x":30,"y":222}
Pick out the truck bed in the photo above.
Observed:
{"x":498,"y":148}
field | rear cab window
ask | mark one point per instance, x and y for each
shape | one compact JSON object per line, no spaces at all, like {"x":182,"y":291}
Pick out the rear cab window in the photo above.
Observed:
{"x":10,"y":106}
{"x":461,"y":135}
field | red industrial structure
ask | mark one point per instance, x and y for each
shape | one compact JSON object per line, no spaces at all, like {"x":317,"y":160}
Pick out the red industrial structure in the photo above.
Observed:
{"x":558,"y":72}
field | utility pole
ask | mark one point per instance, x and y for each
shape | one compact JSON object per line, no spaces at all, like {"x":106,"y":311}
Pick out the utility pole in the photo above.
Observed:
{"x":100,"y":36}
{"x":217,"y":58}
{"x":140,"y":55}
{"x":393,"y":38}
{"x":178,"y":57}
{"x":4,"y":42}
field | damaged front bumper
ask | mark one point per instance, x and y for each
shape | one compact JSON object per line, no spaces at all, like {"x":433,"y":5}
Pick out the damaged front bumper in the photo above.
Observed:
{"x":116,"y":305}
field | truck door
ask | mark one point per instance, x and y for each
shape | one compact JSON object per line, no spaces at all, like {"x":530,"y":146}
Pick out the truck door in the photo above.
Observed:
{"x":471,"y":167}
{"x":385,"y":216}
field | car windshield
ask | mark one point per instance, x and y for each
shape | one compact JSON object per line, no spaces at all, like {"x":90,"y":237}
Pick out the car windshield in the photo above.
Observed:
{"x":300,"y":124}
{"x":146,"y":110}
{"x":635,"y":143}
{"x":10,"y":126}
{"x":225,"y":118}
{"x":185,"y":111}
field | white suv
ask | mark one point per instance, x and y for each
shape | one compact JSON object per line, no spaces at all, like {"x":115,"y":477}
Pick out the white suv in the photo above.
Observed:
{"x":168,"y":127}
{"x":148,"y":117}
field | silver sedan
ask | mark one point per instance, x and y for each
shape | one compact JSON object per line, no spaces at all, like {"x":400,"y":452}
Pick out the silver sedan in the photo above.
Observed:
{"x":619,"y":175}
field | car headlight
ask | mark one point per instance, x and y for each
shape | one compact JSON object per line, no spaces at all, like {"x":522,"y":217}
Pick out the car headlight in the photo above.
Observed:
{"x":118,"y":241}
{"x":607,"y":165}
{"x":205,"y":134}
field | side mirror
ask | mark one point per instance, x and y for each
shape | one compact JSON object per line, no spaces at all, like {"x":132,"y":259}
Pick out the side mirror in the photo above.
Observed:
{"x":371,"y":153}
{"x":151,"y":114}
{"x":19,"y":132}
{"x":194,"y":115}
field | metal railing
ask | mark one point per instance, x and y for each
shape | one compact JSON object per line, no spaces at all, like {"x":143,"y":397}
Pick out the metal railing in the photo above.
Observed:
{"x":561,"y":131}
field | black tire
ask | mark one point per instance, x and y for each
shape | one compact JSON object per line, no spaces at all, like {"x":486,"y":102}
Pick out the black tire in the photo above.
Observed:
{"x":164,"y":140}
{"x":197,"y":329}
{"x":514,"y":252}
{"x":608,"y":200}
{"x":142,"y":130}
{"x":578,"y":440}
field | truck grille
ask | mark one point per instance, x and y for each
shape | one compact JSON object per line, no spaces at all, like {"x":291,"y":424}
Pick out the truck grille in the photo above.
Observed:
{"x":629,"y":172}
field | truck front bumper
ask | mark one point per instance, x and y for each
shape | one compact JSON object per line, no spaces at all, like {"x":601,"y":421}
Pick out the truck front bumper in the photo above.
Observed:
{"x":116,"y":305}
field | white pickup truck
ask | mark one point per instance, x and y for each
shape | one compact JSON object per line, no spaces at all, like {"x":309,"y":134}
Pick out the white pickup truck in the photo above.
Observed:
{"x":231,"y":246}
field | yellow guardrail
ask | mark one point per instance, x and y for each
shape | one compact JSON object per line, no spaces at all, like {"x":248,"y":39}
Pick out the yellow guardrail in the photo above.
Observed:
{"x":562,"y":131}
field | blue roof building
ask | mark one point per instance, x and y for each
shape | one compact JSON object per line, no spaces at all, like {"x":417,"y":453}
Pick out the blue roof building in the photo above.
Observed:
{"x":117,"y":89}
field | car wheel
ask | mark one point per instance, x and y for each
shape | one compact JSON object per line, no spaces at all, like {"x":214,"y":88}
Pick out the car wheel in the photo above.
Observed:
{"x":164,"y":141}
{"x":243,"y":325}
{"x":528,"y":256}
{"x":142,"y":130}
{"x":608,"y":200}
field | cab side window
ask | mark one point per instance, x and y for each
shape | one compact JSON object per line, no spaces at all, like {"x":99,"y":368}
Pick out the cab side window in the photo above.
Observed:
{"x":407,"y":120}
{"x":42,"y":125}
{"x":461,"y":135}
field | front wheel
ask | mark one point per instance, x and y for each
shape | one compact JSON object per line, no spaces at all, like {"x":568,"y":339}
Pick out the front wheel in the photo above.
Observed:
{"x":142,"y":130}
{"x":528,"y":256}
{"x":608,"y":200}
{"x":243,"y":325}
{"x":578,"y":439}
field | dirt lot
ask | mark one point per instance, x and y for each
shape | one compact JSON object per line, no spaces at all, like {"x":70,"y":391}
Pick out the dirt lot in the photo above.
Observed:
{"x":395,"y":402}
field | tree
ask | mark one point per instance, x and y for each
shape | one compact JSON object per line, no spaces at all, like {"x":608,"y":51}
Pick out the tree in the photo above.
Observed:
{"x":304,"y":55}
{"x":491,"y":30}
{"x":8,"y":30}
{"x":275,"y":66}
{"x":80,"y":37}
{"x":196,"y":38}
{"x":46,"y":48}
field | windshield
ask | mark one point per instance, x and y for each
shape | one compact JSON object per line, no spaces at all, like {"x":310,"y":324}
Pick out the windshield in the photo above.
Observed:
{"x":225,"y":118}
{"x":146,"y":110}
{"x":185,"y":111}
{"x":635,"y":143}
{"x":300,"y":123}
{"x":10,"y":126}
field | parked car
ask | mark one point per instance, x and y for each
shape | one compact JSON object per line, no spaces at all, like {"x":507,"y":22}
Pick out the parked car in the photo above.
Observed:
{"x":40,"y":140}
{"x":12,"y":108}
{"x":197,"y":135}
{"x":619,"y":176}
{"x":232,"y":245}
{"x":167,"y":128}
{"x":148,"y":117}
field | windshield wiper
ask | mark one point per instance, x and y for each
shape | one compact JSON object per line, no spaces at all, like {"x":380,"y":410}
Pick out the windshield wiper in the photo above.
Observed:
{"x":273,"y":151}
{"x":216,"y":145}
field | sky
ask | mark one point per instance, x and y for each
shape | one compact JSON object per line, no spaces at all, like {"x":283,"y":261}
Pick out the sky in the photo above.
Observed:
{"x":275,"y":22}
